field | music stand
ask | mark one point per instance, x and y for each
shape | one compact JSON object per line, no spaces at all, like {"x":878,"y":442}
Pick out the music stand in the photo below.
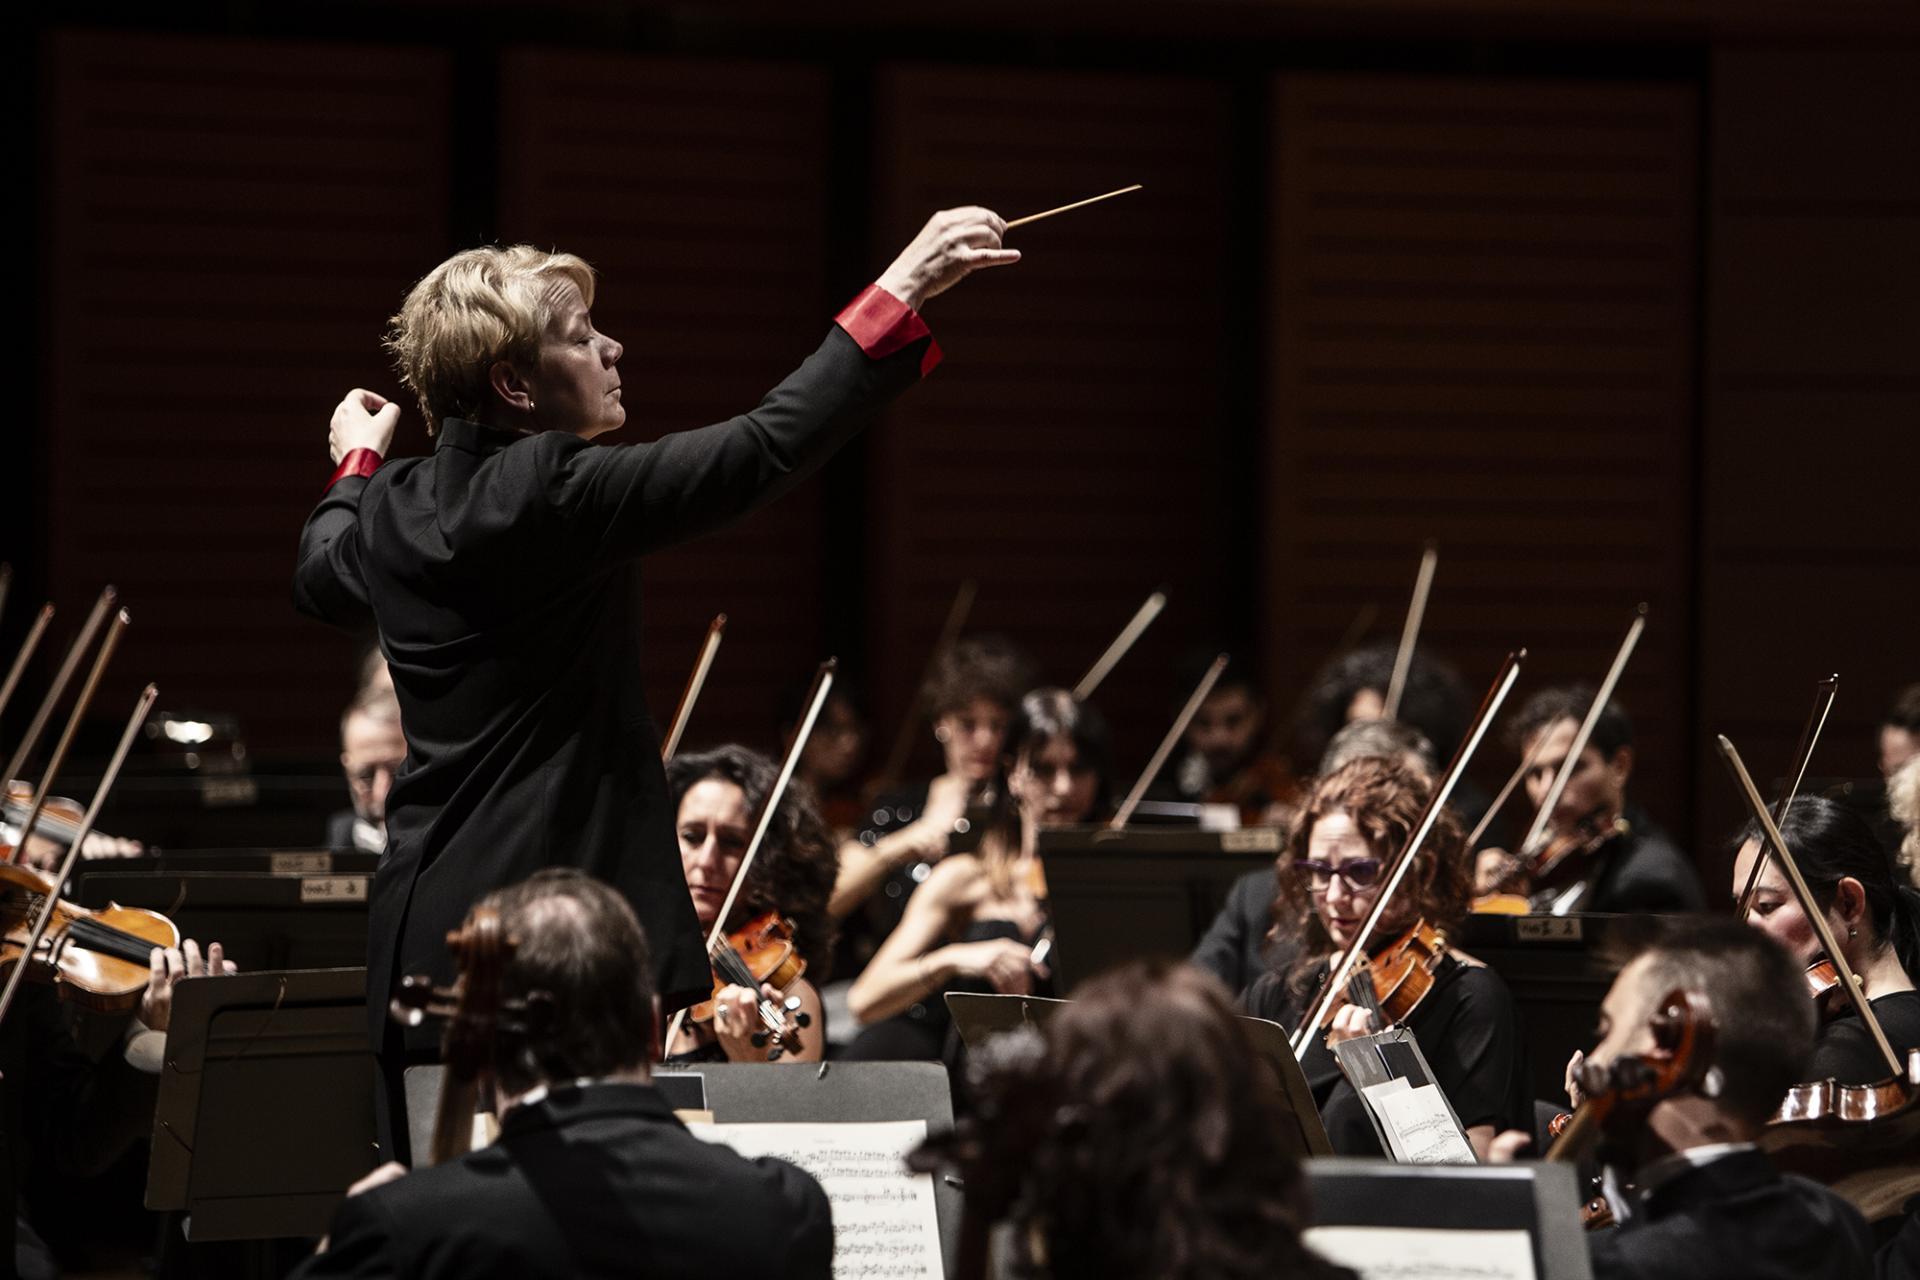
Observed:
{"x":979,"y":1017}
{"x":228,"y":1148}
{"x":1541,"y":1199}
{"x":787,"y":1093}
{"x":1123,"y":895}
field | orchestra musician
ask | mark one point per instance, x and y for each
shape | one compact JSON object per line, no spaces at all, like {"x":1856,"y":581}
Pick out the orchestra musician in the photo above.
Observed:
{"x":718,"y":796}
{"x":1711,"y":1206}
{"x":975,"y":923}
{"x":1900,"y":731}
{"x":1238,"y":945}
{"x":1623,"y":862}
{"x":1873,"y":914}
{"x":502,"y":575}
{"x":1132,"y":1138}
{"x":1903,"y":805}
{"x":970,"y":697}
{"x":1223,"y":757}
{"x":1353,"y":823}
{"x":836,"y":749}
{"x":372,"y":751}
{"x":592,"y":1174}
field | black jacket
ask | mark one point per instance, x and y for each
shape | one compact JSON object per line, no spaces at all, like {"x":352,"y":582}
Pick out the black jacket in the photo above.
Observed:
{"x":503,"y":575}
{"x":1235,"y":948}
{"x":595,"y":1181}
{"x":1737,"y":1218}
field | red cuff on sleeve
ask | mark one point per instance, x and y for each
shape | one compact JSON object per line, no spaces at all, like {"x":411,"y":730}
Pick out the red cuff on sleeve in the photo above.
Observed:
{"x":358,"y":462}
{"x":882,"y":325}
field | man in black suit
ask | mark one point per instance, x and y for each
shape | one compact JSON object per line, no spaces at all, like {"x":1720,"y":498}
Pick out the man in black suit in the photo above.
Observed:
{"x":503,"y":575}
{"x":1708,"y":1203}
{"x":592,"y":1174}
{"x":372,"y":749}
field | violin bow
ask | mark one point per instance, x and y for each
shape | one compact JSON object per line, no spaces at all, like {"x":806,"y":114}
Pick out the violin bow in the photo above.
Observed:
{"x":816,"y":699}
{"x":57,"y":885}
{"x":59,"y":757}
{"x":1142,"y":619}
{"x":108,"y":598}
{"x":1167,"y":744}
{"x":949,"y":636}
{"x":1506,"y":791}
{"x":1600,"y":699}
{"x":1816,"y":917}
{"x":1410,"y":632}
{"x":1823,"y":695}
{"x":6,"y":585}
{"x":19,"y":667}
{"x":1342,"y":969}
{"x":696,"y":681}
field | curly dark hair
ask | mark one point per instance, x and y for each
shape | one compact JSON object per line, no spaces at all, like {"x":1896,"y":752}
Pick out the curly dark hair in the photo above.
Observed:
{"x":793,"y":873}
{"x":1612,"y":731}
{"x":1435,"y":700}
{"x":1134,"y":1137}
{"x":1385,"y":800}
{"x":989,"y":667}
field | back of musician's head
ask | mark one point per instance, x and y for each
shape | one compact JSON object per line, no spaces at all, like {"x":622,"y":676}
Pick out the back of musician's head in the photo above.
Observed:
{"x":1763,"y":1017}
{"x":979,"y":667}
{"x":581,"y":964}
{"x":1386,"y":739}
{"x":1831,"y":843}
{"x":1612,"y":731}
{"x":1136,"y":1137}
{"x":478,"y":307}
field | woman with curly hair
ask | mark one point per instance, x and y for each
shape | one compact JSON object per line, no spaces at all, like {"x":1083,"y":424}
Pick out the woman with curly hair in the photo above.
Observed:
{"x":1135,"y":1136}
{"x":1354,"y":823}
{"x":717,"y":797}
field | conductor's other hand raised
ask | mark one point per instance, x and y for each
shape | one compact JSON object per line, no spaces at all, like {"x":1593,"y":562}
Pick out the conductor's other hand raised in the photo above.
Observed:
{"x":363,"y":420}
{"x":953,"y":244}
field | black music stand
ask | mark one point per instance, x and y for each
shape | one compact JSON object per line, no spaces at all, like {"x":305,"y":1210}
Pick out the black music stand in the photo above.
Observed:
{"x":1541,"y":1199}
{"x":790,"y":1093}
{"x":228,"y":1149}
{"x":979,"y":1017}
{"x":1124,"y":895}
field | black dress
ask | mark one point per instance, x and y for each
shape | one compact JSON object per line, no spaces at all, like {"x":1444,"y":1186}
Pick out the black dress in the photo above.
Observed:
{"x":1845,"y":1050}
{"x":503,"y":573}
{"x":1468,"y":1032}
{"x":924,"y":1032}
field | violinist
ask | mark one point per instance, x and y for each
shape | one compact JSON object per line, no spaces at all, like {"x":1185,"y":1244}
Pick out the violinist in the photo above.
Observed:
{"x":1710,"y":1206}
{"x":372,"y":751}
{"x":1222,"y":758}
{"x":592,"y":1174}
{"x":1903,"y":804}
{"x":1129,"y":1139}
{"x":1874,"y":916}
{"x":977,"y":921}
{"x":834,"y":753}
{"x":502,"y":574}
{"x":1353,"y":822}
{"x":1239,"y":945}
{"x":1617,"y":859}
{"x":1900,"y":732}
{"x":718,"y":796}
{"x":970,"y":696}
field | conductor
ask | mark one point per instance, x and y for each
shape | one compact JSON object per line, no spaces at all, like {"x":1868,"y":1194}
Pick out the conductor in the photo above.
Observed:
{"x":502,"y":573}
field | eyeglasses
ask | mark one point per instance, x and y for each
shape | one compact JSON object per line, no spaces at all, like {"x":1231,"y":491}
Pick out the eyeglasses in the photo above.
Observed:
{"x":1355,"y":873}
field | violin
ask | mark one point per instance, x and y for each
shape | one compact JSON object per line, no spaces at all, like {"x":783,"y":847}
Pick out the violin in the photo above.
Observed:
{"x":96,"y":959}
{"x":761,"y":953}
{"x":1391,"y":984}
{"x":1530,"y":870}
{"x":59,"y":818}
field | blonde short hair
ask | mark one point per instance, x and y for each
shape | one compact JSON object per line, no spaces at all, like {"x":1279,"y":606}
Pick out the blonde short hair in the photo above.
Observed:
{"x":478,"y":307}
{"x":1903,"y":800}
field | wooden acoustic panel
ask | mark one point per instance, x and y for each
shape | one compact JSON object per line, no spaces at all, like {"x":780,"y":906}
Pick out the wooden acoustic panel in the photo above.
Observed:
{"x":1481,"y":333}
{"x":231,"y":221}
{"x":1807,"y":542}
{"x":697,"y":191}
{"x":1067,"y":454}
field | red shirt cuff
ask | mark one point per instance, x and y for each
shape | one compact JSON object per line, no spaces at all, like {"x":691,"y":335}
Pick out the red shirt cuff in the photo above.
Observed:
{"x":358,"y":462}
{"x":882,"y":325}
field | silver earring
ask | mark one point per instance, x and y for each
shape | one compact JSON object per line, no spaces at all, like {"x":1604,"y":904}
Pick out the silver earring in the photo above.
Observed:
{"x":1852,"y":933}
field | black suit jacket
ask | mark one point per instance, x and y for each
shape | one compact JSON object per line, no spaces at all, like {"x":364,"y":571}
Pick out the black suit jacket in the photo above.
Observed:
{"x":599,"y":1181}
{"x":1235,"y":948}
{"x":503,"y":574}
{"x":1737,"y":1219}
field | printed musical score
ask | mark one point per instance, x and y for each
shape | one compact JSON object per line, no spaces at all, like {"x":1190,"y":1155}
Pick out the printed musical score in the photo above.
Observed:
{"x":1419,"y":1253}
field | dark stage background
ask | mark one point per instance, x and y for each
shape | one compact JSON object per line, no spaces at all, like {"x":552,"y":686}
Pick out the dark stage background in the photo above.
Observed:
{"x":1615,"y":301}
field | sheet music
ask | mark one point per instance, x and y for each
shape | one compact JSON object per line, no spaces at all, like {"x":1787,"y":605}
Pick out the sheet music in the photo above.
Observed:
{"x":1419,"y":1127}
{"x":884,"y":1223}
{"x":1421,"y":1253}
